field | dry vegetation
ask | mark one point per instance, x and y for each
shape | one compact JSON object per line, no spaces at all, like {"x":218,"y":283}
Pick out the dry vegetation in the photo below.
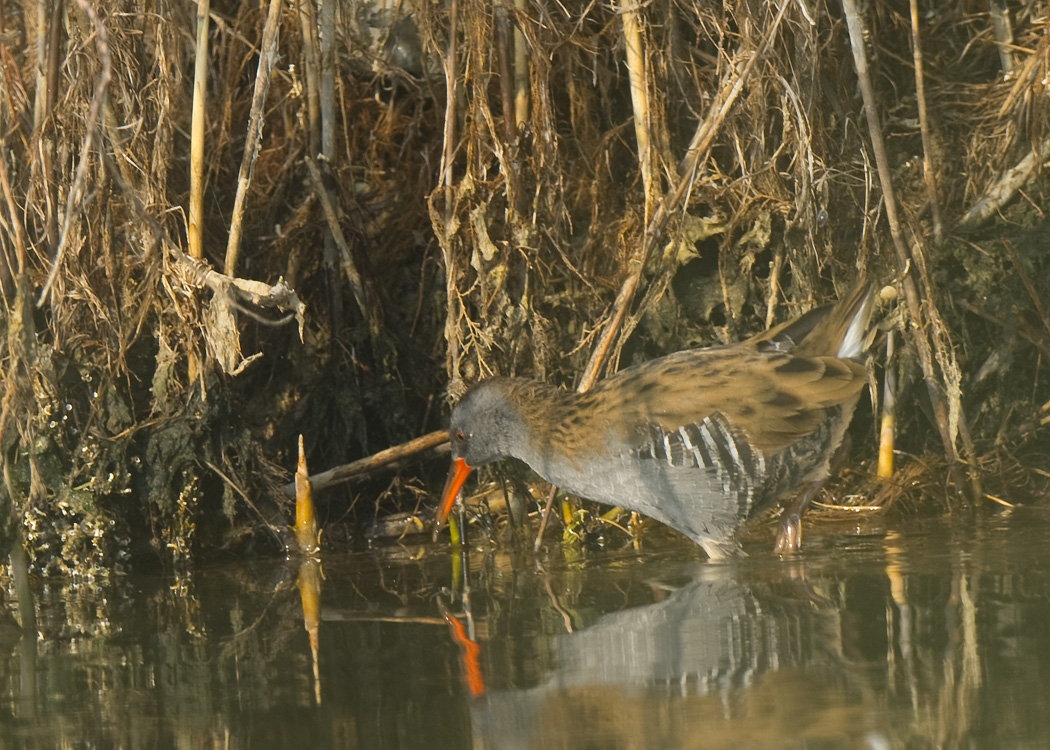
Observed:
{"x":605,"y":184}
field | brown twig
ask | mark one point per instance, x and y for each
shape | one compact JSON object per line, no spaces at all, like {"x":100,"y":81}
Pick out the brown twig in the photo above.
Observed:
{"x":612,"y":328}
{"x":1024,"y":77}
{"x":545,"y":517}
{"x":380,"y":460}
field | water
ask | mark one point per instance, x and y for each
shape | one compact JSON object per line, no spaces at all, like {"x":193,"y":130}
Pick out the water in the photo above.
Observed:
{"x":923,"y":633}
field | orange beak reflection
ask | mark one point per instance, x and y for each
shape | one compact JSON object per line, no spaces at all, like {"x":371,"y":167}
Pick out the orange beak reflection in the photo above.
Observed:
{"x":457,"y":475}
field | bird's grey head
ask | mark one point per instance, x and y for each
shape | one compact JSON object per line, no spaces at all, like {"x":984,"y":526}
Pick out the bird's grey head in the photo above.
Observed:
{"x":486,"y":426}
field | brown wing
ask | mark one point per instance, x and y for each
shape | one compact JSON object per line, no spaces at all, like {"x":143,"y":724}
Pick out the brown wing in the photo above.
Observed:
{"x":773,"y":399}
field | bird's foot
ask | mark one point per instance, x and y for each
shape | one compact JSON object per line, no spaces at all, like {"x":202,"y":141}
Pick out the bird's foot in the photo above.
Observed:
{"x":789,"y":534}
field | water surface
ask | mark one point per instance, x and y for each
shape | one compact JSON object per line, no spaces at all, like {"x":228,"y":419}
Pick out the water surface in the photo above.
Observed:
{"x":923,"y":633}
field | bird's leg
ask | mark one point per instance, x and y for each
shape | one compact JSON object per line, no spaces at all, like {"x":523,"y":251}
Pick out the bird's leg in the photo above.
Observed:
{"x":789,"y":531}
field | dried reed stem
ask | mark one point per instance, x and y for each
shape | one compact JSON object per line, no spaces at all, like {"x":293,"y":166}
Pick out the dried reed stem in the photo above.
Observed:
{"x":449,"y":137}
{"x":1004,"y":34}
{"x":306,"y":532}
{"x":194,"y":236}
{"x":329,"y":123}
{"x":887,"y":429}
{"x":1023,"y":79}
{"x":521,"y":72}
{"x":41,"y":88}
{"x":636,"y":70}
{"x":311,"y":73}
{"x":612,"y":328}
{"x":924,"y":125}
{"x":267,"y":54}
{"x":505,"y":50}
{"x":443,"y":224}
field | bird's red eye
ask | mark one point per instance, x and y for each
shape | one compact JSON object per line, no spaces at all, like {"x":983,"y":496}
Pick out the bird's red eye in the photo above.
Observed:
{"x":460,"y":436}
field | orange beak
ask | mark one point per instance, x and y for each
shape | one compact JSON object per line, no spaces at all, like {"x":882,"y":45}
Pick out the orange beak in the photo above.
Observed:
{"x":457,"y":475}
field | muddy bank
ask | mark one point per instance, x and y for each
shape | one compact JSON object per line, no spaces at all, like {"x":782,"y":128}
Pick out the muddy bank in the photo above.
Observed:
{"x":366,"y":210}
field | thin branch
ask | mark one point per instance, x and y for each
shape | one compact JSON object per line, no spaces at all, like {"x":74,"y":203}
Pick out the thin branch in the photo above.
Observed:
{"x":382,"y":459}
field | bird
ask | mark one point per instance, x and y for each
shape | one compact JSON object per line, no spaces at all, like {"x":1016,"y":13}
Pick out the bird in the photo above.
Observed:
{"x":702,"y":440}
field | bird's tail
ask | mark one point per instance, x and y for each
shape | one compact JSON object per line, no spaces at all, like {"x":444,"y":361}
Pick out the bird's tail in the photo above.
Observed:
{"x":846,"y":329}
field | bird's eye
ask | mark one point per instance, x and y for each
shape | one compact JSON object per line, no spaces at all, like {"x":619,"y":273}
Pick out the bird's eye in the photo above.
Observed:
{"x":460,"y":436}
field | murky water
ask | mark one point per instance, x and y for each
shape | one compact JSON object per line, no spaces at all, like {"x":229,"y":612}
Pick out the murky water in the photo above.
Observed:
{"x":925,"y":634}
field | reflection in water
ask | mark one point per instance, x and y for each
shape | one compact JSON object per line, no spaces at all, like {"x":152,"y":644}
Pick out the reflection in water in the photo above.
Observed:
{"x":931,"y":635}
{"x":309,"y":583}
{"x":719,"y":663}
